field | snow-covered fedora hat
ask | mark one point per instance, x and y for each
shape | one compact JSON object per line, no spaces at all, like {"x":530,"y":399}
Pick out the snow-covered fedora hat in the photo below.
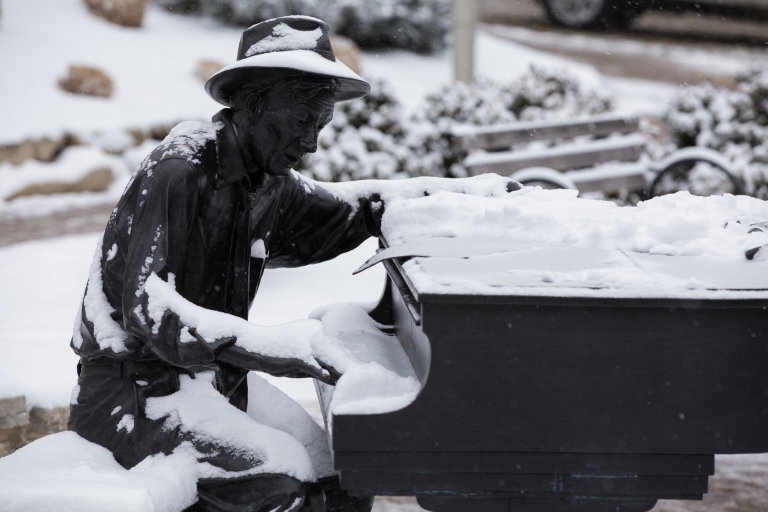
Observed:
{"x":285,"y":46}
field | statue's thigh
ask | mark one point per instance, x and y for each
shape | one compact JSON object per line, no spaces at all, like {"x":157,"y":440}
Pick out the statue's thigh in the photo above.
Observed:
{"x":259,"y":493}
{"x":222,"y":456}
{"x":270,"y":406}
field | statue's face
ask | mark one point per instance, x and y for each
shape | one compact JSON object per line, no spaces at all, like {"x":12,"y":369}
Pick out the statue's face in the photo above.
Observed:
{"x":286,"y":128}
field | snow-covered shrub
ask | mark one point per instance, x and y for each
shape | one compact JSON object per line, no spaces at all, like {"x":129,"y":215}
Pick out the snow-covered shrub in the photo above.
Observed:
{"x":734,"y":122}
{"x":368,"y":138}
{"x":372,"y":137}
{"x":536,"y":95}
{"x":419,"y":25}
{"x":544,"y":94}
{"x":243,"y":12}
{"x":539,"y":94}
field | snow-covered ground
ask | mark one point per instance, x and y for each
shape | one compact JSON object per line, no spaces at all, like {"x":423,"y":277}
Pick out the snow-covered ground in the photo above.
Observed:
{"x":153,"y":66}
{"x":728,"y":60}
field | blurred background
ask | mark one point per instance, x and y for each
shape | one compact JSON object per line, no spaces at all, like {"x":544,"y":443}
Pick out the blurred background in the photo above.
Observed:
{"x":89,"y":87}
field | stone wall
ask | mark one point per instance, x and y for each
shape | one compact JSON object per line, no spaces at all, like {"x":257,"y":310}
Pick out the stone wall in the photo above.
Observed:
{"x":45,"y":150}
{"x":19,"y":426}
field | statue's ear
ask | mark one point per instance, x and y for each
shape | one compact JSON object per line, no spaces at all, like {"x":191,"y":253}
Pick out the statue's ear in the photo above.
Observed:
{"x":253,"y":103}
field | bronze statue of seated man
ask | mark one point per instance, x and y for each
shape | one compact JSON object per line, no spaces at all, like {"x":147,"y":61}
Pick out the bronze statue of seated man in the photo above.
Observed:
{"x":206,"y":212}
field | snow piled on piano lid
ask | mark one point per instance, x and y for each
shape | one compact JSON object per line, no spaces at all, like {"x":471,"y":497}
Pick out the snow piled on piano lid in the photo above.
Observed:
{"x":552,"y":243}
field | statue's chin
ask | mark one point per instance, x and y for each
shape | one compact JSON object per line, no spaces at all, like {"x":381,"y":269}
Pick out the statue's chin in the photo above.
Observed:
{"x":281,"y":172}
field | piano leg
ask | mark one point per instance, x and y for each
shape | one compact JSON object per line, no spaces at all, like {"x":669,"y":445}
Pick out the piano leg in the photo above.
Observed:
{"x":490,"y":504}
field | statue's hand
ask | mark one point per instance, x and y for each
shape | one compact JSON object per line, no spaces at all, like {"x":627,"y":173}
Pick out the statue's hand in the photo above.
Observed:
{"x":333,"y":375}
{"x":297,"y":369}
{"x":296,"y":349}
{"x":281,"y":367}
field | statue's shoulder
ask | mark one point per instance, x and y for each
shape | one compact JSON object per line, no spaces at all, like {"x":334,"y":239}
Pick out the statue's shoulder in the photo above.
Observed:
{"x":188,"y":152}
{"x":192,"y":141}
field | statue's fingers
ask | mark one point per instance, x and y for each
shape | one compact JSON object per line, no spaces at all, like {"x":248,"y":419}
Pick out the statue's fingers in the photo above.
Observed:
{"x":316,"y":372}
{"x":333,"y":374}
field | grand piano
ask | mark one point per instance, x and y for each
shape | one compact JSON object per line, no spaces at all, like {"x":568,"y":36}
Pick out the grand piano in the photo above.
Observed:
{"x":557,"y":402}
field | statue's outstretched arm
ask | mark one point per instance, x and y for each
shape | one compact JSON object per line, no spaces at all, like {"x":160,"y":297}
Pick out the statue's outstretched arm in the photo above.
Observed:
{"x":317,"y":226}
{"x":323,"y":220}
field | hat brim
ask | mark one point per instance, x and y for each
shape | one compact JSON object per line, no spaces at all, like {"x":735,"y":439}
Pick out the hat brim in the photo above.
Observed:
{"x":226,"y":82}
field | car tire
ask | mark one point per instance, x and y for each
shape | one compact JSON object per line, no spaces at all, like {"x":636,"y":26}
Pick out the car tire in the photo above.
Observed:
{"x":610,"y":14}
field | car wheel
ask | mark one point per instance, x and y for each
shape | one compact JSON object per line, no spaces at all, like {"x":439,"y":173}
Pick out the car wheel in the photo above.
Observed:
{"x":590,"y":13}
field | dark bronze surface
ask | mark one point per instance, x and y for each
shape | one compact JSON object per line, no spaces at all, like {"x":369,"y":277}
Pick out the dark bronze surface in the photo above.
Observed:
{"x":534,"y":404}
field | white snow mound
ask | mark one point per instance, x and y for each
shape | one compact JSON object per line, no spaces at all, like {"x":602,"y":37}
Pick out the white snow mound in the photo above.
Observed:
{"x":65,"y":473}
{"x":550,"y":242}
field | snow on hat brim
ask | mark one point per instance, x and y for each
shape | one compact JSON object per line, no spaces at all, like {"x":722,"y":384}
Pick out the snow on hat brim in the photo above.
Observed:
{"x":226,"y":82}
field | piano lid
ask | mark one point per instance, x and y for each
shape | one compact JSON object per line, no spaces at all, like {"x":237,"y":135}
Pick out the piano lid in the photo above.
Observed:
{"x":477,"y":266}
{"x":550,"y":243}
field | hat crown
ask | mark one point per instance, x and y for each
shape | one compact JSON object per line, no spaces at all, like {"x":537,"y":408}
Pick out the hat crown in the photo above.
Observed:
{"x":287,"y":33}
{"x":289,"y":46}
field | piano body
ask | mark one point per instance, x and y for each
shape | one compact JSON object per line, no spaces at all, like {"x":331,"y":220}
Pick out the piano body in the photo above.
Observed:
{"x":546,"y":403}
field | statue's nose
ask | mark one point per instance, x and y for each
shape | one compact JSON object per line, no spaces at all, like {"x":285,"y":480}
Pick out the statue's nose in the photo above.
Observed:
{"x":308,"y":142}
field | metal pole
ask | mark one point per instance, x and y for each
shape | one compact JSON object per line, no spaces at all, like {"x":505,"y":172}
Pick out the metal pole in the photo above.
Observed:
{"x":465,"y":22}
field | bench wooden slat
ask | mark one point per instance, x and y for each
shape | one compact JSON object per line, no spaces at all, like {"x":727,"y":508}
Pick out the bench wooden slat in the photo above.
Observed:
{"x":611,"y":178}
{"x":561,"y":158}
{"x":504,"y":136}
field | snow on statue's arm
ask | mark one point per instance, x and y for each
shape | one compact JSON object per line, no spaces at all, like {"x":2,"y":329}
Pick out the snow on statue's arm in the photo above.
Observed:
{"x":187,"y":335}
{"x":352,"y":192}
{"x":323,"y":220}
{"x":299,"y":347}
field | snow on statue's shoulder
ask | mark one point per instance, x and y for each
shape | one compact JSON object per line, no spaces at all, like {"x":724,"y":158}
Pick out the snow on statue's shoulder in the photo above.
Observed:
{"x":195,"y":133}
{"x":552,"y":243}
{"x":187,"y":138}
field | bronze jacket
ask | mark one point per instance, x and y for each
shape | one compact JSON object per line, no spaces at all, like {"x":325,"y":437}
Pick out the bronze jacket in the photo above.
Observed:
{"x":196,"y":210}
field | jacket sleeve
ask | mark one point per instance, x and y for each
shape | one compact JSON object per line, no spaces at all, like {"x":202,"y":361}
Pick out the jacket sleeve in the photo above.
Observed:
{"x":316,"y":226}
{"x":162,"y":220}
{"x":319,"y":221}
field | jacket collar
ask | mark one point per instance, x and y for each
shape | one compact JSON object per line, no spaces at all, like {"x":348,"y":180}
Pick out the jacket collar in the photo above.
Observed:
{"x":232,"y":164}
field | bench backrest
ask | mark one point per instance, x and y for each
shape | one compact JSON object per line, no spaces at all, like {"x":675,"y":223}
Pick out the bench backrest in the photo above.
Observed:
{"x":507,"y":135}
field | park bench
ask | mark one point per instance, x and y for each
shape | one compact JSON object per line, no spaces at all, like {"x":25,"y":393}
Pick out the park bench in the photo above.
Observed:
{"x":607,"y":155}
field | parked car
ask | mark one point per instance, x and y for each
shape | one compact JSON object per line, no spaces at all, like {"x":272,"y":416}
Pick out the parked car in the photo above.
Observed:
{"x":620,"y":13}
